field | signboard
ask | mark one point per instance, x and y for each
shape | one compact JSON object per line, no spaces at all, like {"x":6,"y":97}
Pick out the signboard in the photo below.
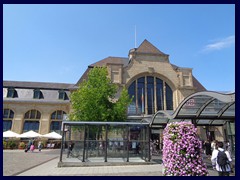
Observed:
{"x":190,"y":103}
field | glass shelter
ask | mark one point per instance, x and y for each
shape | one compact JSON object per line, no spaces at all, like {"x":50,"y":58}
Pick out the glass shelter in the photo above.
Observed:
{"x":97,"y":142}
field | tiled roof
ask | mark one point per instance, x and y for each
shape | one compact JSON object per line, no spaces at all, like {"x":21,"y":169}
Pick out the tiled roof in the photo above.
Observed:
{"x":198,"y":85}
{"x":40,"y":85}
{"x":112,"y":60}
{"x":147,"y":47}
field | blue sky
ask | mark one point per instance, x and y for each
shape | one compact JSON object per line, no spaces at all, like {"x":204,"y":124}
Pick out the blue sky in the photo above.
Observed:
{"x":56,"y":43}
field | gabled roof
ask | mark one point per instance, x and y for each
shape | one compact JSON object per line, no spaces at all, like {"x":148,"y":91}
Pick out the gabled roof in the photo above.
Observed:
{"x":147,"y":47}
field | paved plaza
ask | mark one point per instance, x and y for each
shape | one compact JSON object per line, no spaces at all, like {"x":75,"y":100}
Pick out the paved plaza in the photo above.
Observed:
{"x":18,"y":163}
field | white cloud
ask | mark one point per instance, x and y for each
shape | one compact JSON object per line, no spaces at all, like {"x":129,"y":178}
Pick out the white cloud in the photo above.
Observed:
{"x":220,"y":44}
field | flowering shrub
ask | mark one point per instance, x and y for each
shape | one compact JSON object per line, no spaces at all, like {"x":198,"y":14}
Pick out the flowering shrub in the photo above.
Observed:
{"x":182,"y":151}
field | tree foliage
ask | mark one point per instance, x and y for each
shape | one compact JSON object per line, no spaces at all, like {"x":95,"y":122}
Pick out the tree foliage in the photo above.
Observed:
{"x":93,"y":101}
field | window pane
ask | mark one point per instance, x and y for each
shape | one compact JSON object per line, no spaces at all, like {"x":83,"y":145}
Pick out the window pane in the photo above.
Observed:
{"x":169,"y":97}
{"x":55,"y":126}
{"x":61,"y":95}
{"x":11,"y":114}
{"x":7,"y":125}
{"x":53,"y":116}
{"x":141,"y":94}
{"x":10,"y":92}
{"x":26,"y":115}
{"x":5,"y":113}
{"x":131,"y":92}
{"x":36,"y":94}
{"x":32,"y":114}
{"x":159,"y":89}
{"x":150,"y":94}
{"x":59,"y":114}
{"x":31,"y":125}
{"x":38,"y":115}
{"x":8,"y":113}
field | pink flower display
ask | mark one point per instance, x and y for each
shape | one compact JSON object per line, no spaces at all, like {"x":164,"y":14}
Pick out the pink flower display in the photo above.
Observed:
{"x":182,"y":151}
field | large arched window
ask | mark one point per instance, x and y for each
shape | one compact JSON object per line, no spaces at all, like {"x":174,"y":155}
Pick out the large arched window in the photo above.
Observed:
{"x":31,"y":120}
{"x":56,"y":121}
{"x":150,"y":94}
{"x":8,"y":115}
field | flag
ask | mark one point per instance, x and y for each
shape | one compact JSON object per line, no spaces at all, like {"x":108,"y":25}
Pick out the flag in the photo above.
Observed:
{"x":142,"y":101}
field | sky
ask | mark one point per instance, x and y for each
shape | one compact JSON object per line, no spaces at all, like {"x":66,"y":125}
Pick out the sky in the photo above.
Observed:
{"x":57,"y":42}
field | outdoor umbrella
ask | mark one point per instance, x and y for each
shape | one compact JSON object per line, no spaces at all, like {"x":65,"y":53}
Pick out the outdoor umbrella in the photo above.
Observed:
{"x":10,"y":134}
{"x":29,"y":134}
{"x":52,"y":135}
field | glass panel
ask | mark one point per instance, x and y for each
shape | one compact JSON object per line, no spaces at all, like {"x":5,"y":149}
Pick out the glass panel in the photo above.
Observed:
{"x":11,"y":115}
{"x":55,"y":126}
{"x":27,"y":115}
{"x":7,"y":125}
{"x":150,"y":94}
{"x":53,"y":116}
{"x":141,"y":95}
{"x":193,"y":105}
{"x":204,"y":121}
{"x":36,"y":94}
{"x":169,"y":97}
{"x":59,"y":114}
{"x":5,"y":113}
{"x":31,"y":125}
{"x":230,"y":111}
{"x":32,"y":114}
{"x":159,"y":89}
{"x":38,"y":115}
{"x":61,"y":95}
{"x":120,"y":140}
{"x":132,"y":109}
{"x":10,"y":92}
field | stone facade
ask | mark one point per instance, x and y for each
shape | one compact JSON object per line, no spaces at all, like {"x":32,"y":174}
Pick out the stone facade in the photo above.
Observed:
{"x":144,"y":61}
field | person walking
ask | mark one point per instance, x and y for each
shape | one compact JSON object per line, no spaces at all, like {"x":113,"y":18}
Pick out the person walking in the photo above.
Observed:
{"x":208,"y":151}
{"x":70,"y":148}
{"x":214,"y":145}
{"x":40,"y":146}
{"x":221,"y":158}
{"x":30,"y":142}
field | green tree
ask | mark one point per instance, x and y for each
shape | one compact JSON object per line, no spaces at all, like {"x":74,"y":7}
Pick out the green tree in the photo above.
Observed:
{"x":93,"y":101}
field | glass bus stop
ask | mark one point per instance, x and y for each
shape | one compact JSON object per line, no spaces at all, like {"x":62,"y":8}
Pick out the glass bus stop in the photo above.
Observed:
{"x":101,"y":142}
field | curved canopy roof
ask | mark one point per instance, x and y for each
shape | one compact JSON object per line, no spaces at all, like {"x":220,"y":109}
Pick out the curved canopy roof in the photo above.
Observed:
{"x":204,"y":108}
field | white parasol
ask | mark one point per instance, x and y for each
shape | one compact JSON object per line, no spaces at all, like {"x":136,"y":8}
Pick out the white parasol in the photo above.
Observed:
{"x":52,"y":135}
{"x":10,"y":134}
{"x":29,"y":134}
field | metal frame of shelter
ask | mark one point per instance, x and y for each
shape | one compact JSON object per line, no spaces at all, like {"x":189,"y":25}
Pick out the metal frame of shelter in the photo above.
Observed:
{"x":206,"y":108}
{"x":88,"y":149}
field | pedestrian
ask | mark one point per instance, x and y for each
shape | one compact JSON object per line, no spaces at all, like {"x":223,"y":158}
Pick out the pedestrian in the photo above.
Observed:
{"x":32,"y":148}
{"x":208,"y":151}
{"x":30,"y":142}
{"x":40,"y":146}
{"x":215,"y":148}
{"x":228,"y":147}
{"x":70,"y":148}
{"x":214,"y":145}
{"x":221,"y":158}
